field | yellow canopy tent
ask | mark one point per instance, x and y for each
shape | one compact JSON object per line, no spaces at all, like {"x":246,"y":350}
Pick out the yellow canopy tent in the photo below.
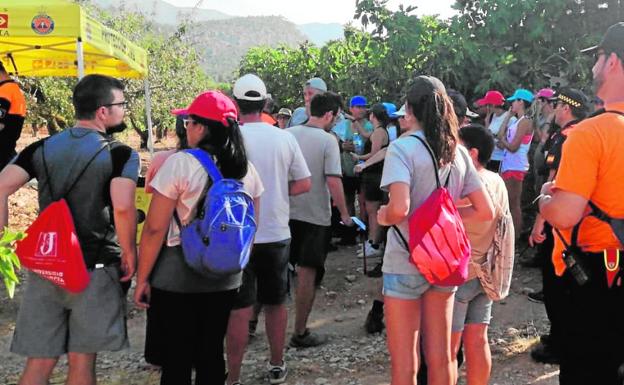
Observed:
{"x":59,"y":38}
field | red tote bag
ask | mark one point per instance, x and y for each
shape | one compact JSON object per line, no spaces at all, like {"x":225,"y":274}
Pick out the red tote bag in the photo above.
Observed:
{"x":52,"y":250}
{"x":438,"y":244}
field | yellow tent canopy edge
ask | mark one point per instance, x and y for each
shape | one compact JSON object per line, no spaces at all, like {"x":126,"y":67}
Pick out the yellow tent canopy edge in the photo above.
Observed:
{"x":41,"y":38}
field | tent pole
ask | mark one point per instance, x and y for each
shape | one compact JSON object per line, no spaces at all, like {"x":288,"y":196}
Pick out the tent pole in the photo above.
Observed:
{"x":148,"y":112}
{"x":80,"y":57}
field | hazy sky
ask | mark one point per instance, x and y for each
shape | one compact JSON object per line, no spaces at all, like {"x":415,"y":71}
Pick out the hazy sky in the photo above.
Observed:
{"x":300,"y":12}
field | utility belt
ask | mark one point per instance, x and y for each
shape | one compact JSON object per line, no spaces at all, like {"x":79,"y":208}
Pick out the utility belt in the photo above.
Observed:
{"x":585,"y":266}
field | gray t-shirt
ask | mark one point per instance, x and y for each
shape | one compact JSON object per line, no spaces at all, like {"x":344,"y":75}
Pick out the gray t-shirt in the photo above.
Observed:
{"x":321,"y":153}
{"x":407,"y":161}
{"x":66,"y":155}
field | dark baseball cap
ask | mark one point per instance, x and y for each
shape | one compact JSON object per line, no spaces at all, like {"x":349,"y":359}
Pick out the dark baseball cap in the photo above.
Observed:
{"x":612,"y":41}
{"x":574,"y":98}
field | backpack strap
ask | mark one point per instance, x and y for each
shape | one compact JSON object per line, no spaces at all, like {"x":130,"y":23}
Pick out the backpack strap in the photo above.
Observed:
{"x":206,"y":161}
{"x":6,"y":82}
{"x":396,"y":228}
{"x":49,"y":180}
{"x":433,"y":159}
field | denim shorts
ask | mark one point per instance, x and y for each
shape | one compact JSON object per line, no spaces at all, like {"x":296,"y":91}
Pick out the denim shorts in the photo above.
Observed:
{"x":409,"y":286}
{"x":472,"y":305}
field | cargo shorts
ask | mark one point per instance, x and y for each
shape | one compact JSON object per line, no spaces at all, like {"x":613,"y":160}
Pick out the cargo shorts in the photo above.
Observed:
{"x":52,"y":321}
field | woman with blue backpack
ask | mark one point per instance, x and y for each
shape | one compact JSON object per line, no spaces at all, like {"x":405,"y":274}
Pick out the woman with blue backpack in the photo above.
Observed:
{"x":419,"y":295}
{"x":189,"y":270}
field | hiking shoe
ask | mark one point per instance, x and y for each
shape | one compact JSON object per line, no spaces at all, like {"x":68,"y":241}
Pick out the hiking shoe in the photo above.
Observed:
{"x":545,"y":339}
{"x":370,"y":251}
{"x":307,"y":340}
{"x":544,"y":354}
{"x":374,"y":322}
{"x":536,"y":297}
{"x":376,"y":272}
{"x":277,"y":374}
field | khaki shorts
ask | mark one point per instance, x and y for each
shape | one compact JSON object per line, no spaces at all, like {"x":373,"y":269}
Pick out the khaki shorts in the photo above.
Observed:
{"x":52,"y":321}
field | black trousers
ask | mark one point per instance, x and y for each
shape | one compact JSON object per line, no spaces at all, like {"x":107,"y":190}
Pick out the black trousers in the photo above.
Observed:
{"x":554,"y":291}
{"x":593,"y":327}
{"x":186,"y":331}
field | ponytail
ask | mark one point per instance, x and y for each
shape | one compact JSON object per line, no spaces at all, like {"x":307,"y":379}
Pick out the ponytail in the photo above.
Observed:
{"x":437,"y":118}
{"x":226,"y":144}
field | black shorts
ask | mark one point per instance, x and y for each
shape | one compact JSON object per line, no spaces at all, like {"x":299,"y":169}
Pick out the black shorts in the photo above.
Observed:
{"x":351,"y":185}
{"x":265,"y":279}
{"x":308,"y":246}
{"x":370,"y":185}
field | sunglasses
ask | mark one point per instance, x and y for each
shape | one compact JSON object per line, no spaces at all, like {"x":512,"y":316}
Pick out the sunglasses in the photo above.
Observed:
{"x":187,"y":122}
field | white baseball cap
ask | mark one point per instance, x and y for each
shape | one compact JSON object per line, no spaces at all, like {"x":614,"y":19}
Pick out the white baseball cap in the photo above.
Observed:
{"x":250,"y":87}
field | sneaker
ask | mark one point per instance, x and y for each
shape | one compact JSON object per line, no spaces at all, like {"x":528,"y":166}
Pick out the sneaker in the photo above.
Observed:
{"x":544,"y":354}
{"x":307,"y":340}
{"x":374,"y":322}
{"x":537,"y":297}
{"x":277,"y":374}
{"x":370,"y":251}
{"x":376,"y":272}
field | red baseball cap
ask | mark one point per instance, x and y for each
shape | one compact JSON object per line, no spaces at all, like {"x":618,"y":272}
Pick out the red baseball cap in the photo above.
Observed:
{"x":211,"y":105}
{"x":492,"y":97}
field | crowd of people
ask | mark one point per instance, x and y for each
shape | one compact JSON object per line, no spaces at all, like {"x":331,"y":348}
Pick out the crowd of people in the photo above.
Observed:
{"x":311,"y":172}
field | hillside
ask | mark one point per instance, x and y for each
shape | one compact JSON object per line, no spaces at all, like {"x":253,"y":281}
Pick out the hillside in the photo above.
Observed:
{"x":223,"y":43}
{"x":221,"y":39}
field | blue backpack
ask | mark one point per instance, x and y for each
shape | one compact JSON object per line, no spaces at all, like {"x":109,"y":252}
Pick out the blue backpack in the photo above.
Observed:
{"x":219,"y":240}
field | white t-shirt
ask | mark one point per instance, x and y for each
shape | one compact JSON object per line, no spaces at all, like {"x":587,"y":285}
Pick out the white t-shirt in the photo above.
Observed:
{"x":494,"y":127}
{"x":183,"y":179}
{"x":278,"y":160}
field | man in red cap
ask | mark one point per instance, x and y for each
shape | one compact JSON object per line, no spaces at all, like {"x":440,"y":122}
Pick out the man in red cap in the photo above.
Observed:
{"x":494,"y":103}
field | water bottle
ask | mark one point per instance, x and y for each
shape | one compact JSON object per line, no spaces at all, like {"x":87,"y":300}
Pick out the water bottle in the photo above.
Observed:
{"x":358,"y":143}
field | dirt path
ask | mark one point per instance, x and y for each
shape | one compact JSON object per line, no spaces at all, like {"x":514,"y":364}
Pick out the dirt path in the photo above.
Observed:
{"x":350,"y":357}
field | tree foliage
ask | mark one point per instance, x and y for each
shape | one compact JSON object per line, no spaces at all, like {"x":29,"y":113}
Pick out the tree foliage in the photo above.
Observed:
{"x":8,"y":259}
{"x":502,"y":44}
{"x":175,"y":77}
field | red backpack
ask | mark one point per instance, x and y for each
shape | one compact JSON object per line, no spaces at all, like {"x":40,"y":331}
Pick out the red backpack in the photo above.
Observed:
{"x":51,"y":248}
{"x":438,"y":243}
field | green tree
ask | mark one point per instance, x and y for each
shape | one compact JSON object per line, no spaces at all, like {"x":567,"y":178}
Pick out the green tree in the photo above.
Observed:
{"x":8,"y":259}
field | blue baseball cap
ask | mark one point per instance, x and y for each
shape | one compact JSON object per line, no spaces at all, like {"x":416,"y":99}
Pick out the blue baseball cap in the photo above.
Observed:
{"x":390,"y":109}
{"x":358,"y":101}
{"x":521,"y":94}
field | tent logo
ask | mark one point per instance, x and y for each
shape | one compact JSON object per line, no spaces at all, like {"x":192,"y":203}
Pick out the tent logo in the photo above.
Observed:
{"x":4,"y":20}
{"x":42,"y":24}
